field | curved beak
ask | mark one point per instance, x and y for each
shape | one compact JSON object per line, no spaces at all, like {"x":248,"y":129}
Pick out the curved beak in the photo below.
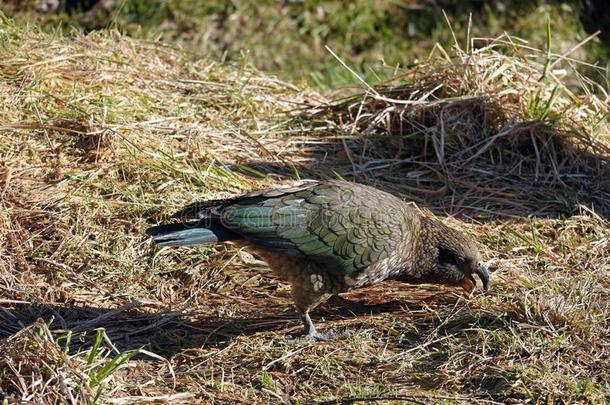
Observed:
{"x":483,"y":272}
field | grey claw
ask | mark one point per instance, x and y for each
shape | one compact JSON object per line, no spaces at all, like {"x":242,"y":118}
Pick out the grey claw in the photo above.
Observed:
{"x":316,"y":336}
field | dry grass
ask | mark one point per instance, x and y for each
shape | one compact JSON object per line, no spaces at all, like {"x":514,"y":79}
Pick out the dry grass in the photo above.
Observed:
{"x":484,"y":133}
{"x":102,"y":135}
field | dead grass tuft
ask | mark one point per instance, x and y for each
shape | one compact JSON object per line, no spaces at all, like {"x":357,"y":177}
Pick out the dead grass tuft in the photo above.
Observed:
{"x":35,"y":369}
{"x":503,"y":130}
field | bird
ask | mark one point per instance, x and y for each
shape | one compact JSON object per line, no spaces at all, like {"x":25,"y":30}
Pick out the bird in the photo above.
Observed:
{"x":328,"y":237}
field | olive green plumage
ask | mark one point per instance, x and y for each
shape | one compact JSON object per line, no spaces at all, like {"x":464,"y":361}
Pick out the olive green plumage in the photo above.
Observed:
{"x":328,"y":237}
{"x":339,"y":227}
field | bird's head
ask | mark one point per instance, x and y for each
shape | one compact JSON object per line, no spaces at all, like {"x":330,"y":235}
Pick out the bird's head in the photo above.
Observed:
{"x":456,"y":259}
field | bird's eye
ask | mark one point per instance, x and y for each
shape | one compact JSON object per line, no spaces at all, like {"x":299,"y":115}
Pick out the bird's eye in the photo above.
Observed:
{"x":460,"y":260}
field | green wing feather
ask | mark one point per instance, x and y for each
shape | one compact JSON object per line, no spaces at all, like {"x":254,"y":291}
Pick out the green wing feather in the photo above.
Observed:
{"x":344,"y":226}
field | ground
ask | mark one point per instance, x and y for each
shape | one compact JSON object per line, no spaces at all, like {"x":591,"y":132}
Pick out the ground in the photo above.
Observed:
{"x":104,"y":135}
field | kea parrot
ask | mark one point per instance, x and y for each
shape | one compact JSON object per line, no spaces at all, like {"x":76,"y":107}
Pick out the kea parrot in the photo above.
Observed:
{"x":328,"y":237}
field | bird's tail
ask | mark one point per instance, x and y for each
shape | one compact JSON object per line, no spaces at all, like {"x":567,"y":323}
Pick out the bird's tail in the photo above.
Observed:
{"x":203,"y":232}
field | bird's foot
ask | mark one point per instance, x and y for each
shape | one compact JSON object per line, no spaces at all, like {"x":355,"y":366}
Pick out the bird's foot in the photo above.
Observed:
{"x":315,"y":336}
{"x":330,"y":334}
{"x":312,"y":334}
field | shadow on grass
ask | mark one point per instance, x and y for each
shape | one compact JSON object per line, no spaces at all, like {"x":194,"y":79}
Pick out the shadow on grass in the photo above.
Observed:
{"x":465,"y":158}
{"x":169,"y":332}
{"x":165,"y":332}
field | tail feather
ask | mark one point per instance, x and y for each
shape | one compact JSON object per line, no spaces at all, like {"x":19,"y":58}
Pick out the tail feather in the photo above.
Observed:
{"x":191,"y":233}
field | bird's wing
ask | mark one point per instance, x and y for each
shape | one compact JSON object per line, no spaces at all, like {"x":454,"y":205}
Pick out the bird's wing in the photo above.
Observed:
{"x":203,"y":209}
{"x":344,"y":226}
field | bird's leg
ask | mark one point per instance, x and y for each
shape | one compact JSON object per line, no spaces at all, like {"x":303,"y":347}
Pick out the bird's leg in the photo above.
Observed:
{"x":310,"y":329}
{"x":306,"y":299}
